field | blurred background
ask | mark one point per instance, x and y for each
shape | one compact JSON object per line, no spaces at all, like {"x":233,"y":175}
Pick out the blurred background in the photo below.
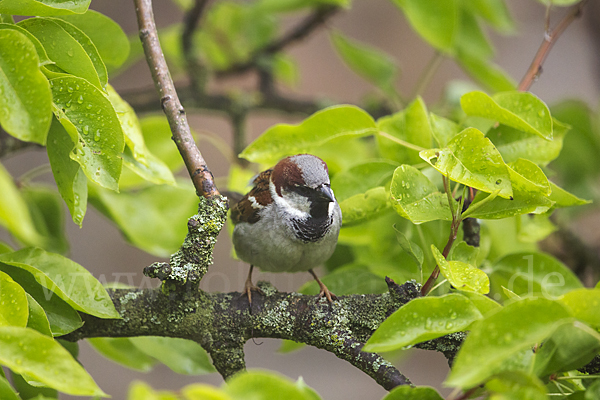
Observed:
{"x":571,"y":71}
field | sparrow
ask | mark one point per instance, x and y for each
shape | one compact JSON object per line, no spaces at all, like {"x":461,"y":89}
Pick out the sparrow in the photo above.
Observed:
{"x":289,"y":221}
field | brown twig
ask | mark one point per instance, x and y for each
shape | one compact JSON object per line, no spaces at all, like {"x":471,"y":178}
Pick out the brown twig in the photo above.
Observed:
{"x":201,"y":176}
{"x":306,"y":27}
{"x":550,"y":37}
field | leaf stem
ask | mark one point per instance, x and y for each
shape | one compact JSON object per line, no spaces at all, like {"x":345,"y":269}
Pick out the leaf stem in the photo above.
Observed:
{"x":425,"y":79}
{"x":456,"y":220}
{"x":400,"y":141}
{"x":479,"y":204}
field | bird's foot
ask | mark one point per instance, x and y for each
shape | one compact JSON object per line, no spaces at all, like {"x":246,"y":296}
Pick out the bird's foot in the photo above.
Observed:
{"x":324,"y":291}
{"x":249,"y":287}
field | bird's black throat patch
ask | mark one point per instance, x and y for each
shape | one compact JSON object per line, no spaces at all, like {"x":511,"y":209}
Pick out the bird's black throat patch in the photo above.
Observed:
{"x":312,"y":229}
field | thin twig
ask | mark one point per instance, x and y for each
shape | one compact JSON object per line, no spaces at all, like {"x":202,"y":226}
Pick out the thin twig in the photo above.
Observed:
{"x":305,"y":28}
{"x":425,"y":79}
{"x":550,"y":37}
{"x":195,"y":69}
{"x":201,"y":176}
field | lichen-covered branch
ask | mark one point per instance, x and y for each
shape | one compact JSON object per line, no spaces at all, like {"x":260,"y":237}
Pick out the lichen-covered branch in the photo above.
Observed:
{"x":222,"y":322}
{"x":196,"y":166}
{"x":190,"y":263}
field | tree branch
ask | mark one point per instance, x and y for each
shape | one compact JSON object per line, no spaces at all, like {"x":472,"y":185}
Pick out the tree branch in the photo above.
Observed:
{"x":196,"y":71}
{"x":305,"y":28}
{"x":196,"y":166}
{"x":10,"y":144}
{"x":550,"y":38}
{"x":222,"y":322}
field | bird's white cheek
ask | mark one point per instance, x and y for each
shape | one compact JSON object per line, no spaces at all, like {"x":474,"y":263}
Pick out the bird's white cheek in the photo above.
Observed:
{"x":331,"y":207}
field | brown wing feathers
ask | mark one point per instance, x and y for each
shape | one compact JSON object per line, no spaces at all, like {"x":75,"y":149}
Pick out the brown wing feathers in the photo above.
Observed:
{"x":246,"y":210}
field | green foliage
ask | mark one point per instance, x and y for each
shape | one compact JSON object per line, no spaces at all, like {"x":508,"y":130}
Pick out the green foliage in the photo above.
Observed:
{"x":424,"y":319}
{"x":406,"y":181}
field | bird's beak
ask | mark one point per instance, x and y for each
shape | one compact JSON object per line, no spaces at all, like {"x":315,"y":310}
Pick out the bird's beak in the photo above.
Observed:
{"x":325,"y":193}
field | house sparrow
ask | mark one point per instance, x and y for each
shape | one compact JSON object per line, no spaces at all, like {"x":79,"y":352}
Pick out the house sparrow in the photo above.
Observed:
{"x":289,"y":221}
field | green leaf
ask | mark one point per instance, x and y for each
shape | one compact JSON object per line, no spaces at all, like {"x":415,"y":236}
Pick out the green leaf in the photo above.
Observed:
{"x":520,"y":110}
{"x":514,"y":144}
{"x":69,"y":48}
{"x":423,"y":319}
{"x":535,"y":177}
{"x":181,"y":355}
{"x":43,"y":7}
{"x":46,"y":211}
{"x":435,"y":20}
{"x":486,"y":72}
{"x":528,"y":197}
{"x":350,"y":279}
{"x":14,"y":310}
{"x":484,"y":304}
{"x":462,"y":275}
{"x":62,"y":317}
{"x":442,"y":129}
{"x":583,"y":304}
{"x":108,"y":37}
{"x":370,"y":63}
{"x":14,"y":214}
{"x":577,"y":162}
{"x":65,"y":278}
{"x":415,"y":198}
{"x":286,"y":70}
{"x":43,"y":57}
{"x":263,"y":385}
{"x":91,"y":121}
{"x":508,"y":385}
{"x":26,"y":391}
{"x":37,"y":317}
{"x":411,"y":126}
{"x":562,"y":198}
{"x":26,"y":351}
{"x":471,"y":159}
{"x":124,"y":352}
{"x":471,"y":39}
{"x":495,"y":12}
{"x":88,"y":46}
{"x":410,"y":247}
{"x":413,"y":393}
{"x":529,"y":273}
{"x":362,"y":177}
{"x":158,"y":139}
{"x":337,"y":122}
{"x":571,"y":346}
{"x":136,"y":156}
{"x":25,"y":100}
{"x":69,"y":177}
{"x":531,"y":228}
{"x":147,"y":218}
{"x":461,"y":251}
{"x":6,"y":391}
{"x":289,"y":346}
{"x":202,"y":391}
{"x":500,"y":336}
{"x":365,"y":206}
